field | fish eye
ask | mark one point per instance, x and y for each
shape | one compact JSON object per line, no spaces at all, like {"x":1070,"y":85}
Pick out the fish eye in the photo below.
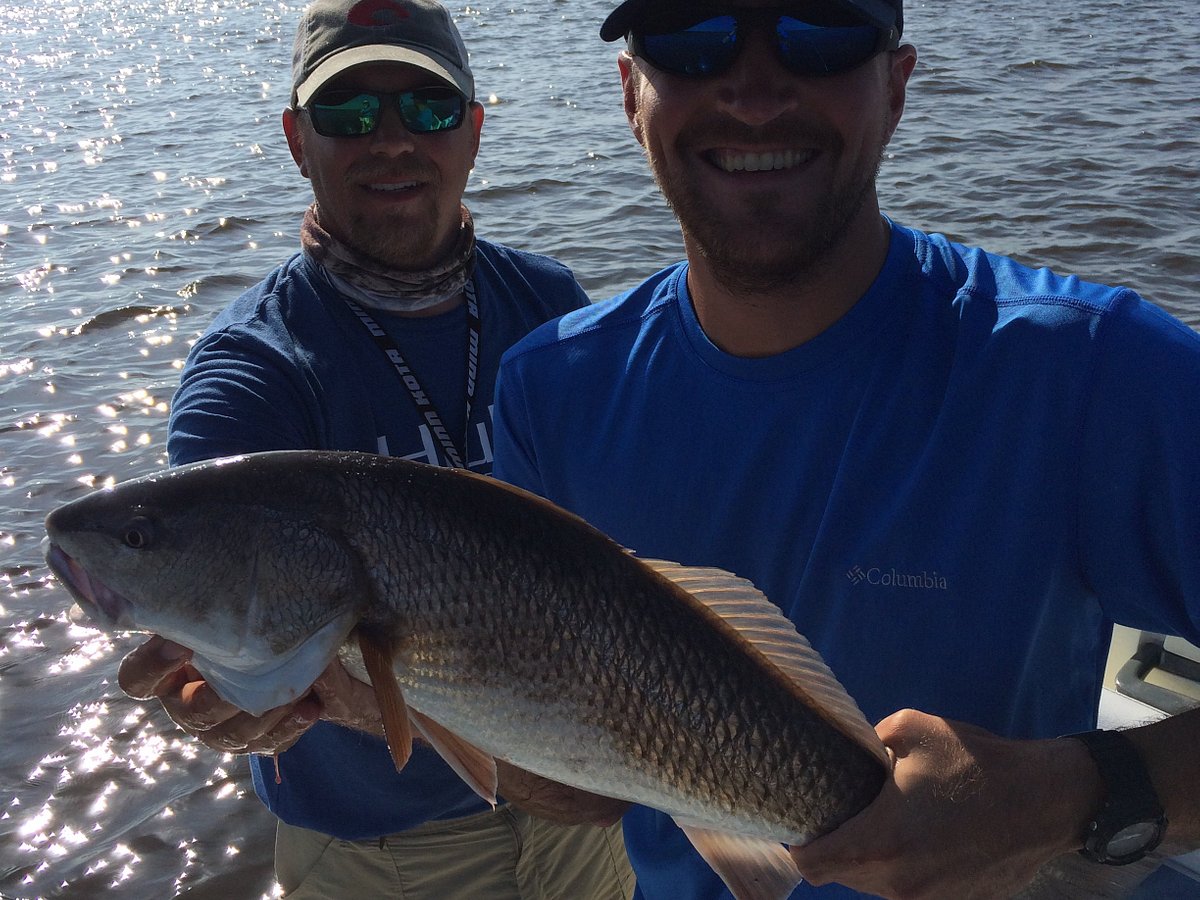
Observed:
{"x":138,"y":533}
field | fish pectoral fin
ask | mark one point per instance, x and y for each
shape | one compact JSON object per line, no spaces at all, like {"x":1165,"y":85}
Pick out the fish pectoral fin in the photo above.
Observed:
{"x":752,"y":868}
{"x":377,"y":657}
{"x":476,"y":768}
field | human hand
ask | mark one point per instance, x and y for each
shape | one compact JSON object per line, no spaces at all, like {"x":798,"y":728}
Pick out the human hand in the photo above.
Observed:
{"x":556,"y":802}
{"x":966,"y":815}
{"x":161,"y":669}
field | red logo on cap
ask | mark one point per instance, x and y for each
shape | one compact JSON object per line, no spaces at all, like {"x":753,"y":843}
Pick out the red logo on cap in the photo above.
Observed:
{"x":375,"y":13}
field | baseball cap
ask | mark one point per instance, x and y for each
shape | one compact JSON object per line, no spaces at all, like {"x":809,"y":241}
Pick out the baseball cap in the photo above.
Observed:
{"x":337,"y":35}
{"x":881,"y":13}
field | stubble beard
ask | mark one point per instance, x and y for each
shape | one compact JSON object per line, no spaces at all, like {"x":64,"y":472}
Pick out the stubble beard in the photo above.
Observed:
{"x":779,"y":250}
{"x":407,"y":241}
{"x":406,"y":244}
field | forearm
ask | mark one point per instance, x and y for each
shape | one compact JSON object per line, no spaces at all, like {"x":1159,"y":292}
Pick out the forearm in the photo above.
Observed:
{"x":966,"y":808}
{"x":555,"y":802}
{"x":1171,"y":750}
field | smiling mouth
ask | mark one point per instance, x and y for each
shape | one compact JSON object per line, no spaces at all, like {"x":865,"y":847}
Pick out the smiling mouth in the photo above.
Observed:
{"x":769,"y":161}
{"x":394,"y":187}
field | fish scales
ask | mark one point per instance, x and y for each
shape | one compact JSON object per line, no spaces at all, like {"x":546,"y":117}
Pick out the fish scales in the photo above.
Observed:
{"x":513,"y":624}
{"x":535,"y":636}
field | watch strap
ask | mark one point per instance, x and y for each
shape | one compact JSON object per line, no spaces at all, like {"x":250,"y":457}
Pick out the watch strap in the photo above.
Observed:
{"x":1129,"y":799}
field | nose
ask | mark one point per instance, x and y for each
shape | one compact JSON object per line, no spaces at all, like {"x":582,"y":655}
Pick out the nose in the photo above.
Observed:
{"x":758,"y":89}
{"x":391,"y":138}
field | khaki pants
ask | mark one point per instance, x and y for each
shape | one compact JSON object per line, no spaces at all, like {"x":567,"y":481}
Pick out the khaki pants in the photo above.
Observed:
{"x":496,"y":855}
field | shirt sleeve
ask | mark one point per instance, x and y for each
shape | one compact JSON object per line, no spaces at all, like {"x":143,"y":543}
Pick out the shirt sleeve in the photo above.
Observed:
{"x":1139,"y":509}
{"x":238,"y":395}
{"x":515,"y":461}
{"x":575,"y":297}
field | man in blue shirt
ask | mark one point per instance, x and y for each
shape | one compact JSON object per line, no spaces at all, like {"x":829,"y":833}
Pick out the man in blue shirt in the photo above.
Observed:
{"x":383,"y":335}
{"x":953,"y":473}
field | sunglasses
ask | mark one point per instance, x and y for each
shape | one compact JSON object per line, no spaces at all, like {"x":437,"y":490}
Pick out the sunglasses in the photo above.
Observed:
{"x":710,"y":46}
{"x":350,"y":113}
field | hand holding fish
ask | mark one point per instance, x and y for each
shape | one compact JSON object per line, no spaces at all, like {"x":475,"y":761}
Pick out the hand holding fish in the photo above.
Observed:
{"x":967,"y":814}
{"x":162,"y":669}
{"x":490,"y":622}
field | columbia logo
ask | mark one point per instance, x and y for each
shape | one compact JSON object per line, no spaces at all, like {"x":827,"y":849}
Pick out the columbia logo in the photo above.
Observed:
{"x":877,"y":576}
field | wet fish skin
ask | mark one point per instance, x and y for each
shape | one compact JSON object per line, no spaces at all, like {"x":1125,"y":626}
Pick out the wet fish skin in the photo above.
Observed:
{"x":512,"y":624}
{"x":245,"y":585}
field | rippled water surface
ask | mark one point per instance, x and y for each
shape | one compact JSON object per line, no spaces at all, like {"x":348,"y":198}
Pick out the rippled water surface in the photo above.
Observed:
{"x":144,"y":182}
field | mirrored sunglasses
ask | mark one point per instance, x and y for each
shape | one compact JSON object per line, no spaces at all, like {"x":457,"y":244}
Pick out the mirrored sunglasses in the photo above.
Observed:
{"x":707,"y":48}
{"x":350,"y":113}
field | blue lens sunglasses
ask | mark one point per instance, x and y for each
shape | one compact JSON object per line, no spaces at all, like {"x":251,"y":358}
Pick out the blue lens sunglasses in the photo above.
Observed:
{"x":709,"y":47}
{"x":351,"y":113}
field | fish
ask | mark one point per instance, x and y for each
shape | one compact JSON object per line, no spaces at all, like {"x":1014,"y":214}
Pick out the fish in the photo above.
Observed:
{"x":496,"y":625}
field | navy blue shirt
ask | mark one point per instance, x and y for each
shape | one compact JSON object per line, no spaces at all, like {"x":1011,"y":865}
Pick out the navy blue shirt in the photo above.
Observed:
{"x":288,"y":366}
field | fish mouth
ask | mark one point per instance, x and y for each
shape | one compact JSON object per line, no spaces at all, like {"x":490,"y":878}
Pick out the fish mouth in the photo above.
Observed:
{"x":98,"y":602}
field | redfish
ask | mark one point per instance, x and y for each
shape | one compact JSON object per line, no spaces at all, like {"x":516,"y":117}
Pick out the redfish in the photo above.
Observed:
{"x":497,"y":625}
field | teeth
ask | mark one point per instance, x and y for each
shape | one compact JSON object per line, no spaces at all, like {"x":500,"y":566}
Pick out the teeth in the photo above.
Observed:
{"x":762,"y":162}
{"x":408,"y":185}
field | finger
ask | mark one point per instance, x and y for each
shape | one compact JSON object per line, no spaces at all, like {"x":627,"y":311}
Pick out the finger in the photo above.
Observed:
{"x":854,"y":847}
{"x":347,"y":701}
{"x":283,"y":736}
{"x":145,"y":670}
{"x":196,"y":707}
{"x":273,"y":732}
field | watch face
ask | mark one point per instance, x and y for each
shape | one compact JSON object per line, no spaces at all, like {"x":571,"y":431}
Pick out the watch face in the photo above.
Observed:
{"x":1131,"y":839}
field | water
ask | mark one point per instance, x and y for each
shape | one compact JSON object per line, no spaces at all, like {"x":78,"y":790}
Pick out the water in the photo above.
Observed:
{"x":144,"y":182}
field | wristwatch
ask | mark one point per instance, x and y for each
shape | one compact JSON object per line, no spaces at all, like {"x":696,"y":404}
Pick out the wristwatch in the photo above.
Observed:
{"x":1131,"y":823}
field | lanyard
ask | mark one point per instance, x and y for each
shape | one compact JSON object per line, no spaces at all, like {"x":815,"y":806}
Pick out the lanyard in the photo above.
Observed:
{"x":420,"y":399}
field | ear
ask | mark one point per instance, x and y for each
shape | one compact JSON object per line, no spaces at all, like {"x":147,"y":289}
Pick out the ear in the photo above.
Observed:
{"x":631,"y":80}
{"x":900,"y":68}
{"x":291,"y":129}
{"x":475,"y":110}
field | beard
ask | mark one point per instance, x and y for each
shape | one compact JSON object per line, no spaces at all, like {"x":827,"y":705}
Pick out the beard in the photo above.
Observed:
{"x":411,"y":239}
{"x":407,"y":244}
{"x":770,"y":243}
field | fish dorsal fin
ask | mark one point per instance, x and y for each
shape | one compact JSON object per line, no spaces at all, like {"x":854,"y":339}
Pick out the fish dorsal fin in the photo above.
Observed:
{"x":745,"y":609}
{"x":377,"y":658}
{"x":752,"y":868}
{"x":476,"y":768}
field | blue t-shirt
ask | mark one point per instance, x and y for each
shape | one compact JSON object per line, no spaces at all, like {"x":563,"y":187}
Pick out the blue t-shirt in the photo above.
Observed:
{"x":288,"y":366}
{"x":953,"y":491}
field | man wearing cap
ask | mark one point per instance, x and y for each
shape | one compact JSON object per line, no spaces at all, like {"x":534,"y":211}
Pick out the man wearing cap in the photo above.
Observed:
{"x":383,"y":335}
{"x":953,"y":473}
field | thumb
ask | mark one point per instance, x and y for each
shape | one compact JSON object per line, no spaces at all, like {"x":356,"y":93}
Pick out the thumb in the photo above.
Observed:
{"x":148,"y":666}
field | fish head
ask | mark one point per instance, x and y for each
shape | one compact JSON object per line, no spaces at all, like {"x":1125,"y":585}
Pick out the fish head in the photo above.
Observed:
{"x":240,"y":561}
